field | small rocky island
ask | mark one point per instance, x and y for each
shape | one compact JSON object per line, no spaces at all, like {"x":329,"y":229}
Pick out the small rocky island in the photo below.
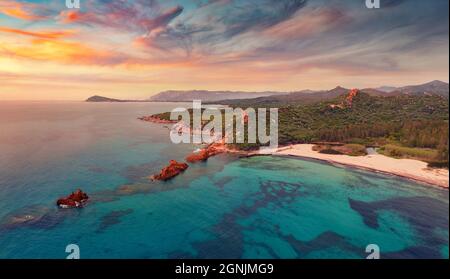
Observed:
{"x":173,"y":169}
{"x":75,"y":200}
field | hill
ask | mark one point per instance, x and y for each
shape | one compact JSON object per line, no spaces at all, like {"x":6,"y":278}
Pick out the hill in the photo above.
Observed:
{"x":403,"y":126}
{"x":97,"y":98}
{"x":300,"y":97}
{"x":207,"y":96}
{"x":437,"y":88}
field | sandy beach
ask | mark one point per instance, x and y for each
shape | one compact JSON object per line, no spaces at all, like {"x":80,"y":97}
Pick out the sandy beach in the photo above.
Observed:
{"x":412,"y":169}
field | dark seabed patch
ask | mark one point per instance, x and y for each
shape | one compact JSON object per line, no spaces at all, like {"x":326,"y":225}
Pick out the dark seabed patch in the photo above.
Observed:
{"x":229,"y":239}
{"x":222,"y":181}
{"x":416,"y":252}
{"x":425,"y":214}
{"x":35,"y":216}
{"x":323,"y":241}
{"x":141,"y":172}
{"x":422,"y":212}
{"x":112,"y":218}
{"x":276,"y":163}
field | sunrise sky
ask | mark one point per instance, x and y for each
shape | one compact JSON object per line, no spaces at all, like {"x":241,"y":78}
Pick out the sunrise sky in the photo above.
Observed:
{"x":135,"y":48}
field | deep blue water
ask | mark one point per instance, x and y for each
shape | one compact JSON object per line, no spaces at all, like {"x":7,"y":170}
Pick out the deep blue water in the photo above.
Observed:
{"x":261,"y":207}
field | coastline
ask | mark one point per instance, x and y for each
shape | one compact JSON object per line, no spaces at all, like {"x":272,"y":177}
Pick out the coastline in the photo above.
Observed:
{"x":406,"y":168}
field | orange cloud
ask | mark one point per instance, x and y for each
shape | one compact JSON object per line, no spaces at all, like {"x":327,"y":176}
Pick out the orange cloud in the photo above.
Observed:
{"x":62,"y":52}
{"x":42,"y":34}
{"x":69,"y":16}
{"x":19,"y":10}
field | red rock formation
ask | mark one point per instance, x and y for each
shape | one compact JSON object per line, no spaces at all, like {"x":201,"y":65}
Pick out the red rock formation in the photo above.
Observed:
{"x":348,"y":102}
{"x":76,"y":199}
{"x":351,"y":95}
{"x":201,"y":155}
{"x":245,"y":117}
{"x":204,"y":154}
{"x":173,"y":169}
{"x":155,"y":119}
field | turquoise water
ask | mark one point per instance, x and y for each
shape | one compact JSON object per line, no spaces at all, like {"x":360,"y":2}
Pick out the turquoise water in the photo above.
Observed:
{"x":260,"y":207}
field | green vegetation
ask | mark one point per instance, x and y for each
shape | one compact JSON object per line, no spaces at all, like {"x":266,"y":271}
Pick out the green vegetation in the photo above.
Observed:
{"x":352,"y":149}
{"x":416,"y":122}
{"x":408,"y":152}
{"x":355,"y":149}
{"x":403,"y":125}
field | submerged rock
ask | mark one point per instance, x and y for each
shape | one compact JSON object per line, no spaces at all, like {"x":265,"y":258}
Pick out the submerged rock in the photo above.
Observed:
{"x":76,"y":199}
{"x":173,"y":169}
{"x":36,"y":216}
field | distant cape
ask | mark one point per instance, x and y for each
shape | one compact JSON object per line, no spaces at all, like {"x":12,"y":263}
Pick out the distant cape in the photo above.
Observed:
{"x":97,"y":98}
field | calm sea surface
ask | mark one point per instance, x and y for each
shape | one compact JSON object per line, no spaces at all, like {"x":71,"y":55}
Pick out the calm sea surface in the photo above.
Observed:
{"x":261,"y":207}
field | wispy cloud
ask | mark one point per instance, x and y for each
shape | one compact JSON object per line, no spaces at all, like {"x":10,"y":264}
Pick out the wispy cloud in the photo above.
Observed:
{"x":139,"y":16}
{"x":23,"y":10}
{"x":39,"y":34}
{"x":278,"y":44}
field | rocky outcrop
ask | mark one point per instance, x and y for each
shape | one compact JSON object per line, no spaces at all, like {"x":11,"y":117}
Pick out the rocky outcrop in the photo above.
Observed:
{"x":199,"y":156}
{"x":155,"y":119}
{"x":76,"y":199}
{"x":173,"y":169}
{"x":204,"y":154}
{"x":348,"y":102}
{"x":351,"y":95}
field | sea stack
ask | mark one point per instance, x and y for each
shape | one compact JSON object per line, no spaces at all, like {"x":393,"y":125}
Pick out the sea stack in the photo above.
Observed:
{"x":173,"y":169}
{"x":75,"y":200}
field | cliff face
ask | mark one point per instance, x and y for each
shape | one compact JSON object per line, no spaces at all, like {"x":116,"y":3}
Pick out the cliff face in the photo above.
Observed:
{"x":173,"y":169}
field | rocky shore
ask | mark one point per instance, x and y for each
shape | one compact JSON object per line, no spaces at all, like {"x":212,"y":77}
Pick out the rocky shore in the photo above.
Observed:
{"x":155,"y":119}
{"x":204,"y":154}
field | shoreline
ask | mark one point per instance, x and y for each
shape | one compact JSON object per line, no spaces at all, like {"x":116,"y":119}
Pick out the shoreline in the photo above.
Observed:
{"x":405,"y":168}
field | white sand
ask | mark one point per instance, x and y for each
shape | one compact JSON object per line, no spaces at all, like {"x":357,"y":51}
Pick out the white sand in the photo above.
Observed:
{"x":408,"y":168}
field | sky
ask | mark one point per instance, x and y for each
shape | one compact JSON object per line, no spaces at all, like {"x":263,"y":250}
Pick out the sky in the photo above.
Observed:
{"x":132,"y":49}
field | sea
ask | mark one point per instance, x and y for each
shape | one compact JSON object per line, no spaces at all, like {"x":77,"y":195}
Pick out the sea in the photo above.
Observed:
{"x":262,"y":207}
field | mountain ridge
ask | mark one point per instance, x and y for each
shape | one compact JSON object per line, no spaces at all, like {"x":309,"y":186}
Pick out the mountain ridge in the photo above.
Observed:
{"x":434,"y":87}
